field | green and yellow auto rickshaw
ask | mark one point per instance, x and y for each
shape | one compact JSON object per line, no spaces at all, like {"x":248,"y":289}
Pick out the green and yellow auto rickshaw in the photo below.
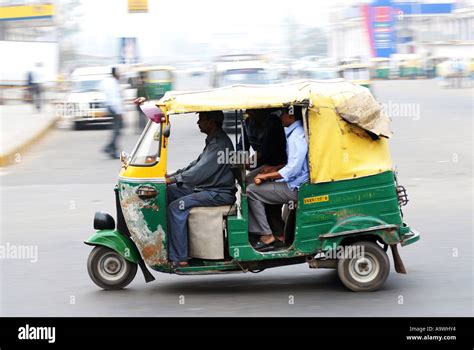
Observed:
{"x":346,"y":216}
{"x":158,"y":80}
{"x":380,"y":67}
{"x":357,"y":73}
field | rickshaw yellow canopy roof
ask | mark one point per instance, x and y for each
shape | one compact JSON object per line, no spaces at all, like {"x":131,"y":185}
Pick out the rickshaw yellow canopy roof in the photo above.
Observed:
{"x":338,"y":149}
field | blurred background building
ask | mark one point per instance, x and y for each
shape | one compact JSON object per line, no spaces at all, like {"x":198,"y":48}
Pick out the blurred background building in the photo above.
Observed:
{"x":28,"y":39}
{"x":63,"y":35}
{"x":381,"y":28}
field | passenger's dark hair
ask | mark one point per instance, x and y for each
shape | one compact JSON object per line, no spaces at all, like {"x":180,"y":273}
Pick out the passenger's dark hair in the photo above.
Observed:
{"x":297,"y":112}
{"x":216,"y":116}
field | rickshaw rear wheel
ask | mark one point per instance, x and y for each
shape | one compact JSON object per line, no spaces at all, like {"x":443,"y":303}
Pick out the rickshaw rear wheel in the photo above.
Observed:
{"x":109,"y":270}
{"x":366,"y":270}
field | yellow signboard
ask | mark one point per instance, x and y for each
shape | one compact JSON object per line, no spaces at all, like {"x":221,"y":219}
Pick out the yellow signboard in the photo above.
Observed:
{"x":137,"y":5}
{"x":317,"y":199}
{"x":26,"y":12}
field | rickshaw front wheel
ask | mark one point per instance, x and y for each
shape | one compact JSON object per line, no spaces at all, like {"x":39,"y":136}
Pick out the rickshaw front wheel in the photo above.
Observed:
{"x":109,"y":270}
{"x":365,"y":268}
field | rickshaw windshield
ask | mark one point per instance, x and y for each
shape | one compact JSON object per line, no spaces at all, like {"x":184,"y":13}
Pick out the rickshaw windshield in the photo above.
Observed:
{"x":147,"y":151}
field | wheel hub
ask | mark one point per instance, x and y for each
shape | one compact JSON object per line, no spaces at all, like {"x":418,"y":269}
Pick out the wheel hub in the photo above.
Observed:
{"x":364,"y":269}
{"x":363,"y":266}
{"x":112,"y":265}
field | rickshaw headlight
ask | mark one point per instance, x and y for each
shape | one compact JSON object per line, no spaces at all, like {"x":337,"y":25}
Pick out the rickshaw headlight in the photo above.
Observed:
{"x":103,"y":221}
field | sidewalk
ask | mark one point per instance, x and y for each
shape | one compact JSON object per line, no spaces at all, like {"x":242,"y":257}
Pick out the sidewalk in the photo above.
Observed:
{"x":20,"y":127}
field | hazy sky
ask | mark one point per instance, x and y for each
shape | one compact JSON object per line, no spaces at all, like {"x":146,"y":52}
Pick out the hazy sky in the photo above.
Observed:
{"x":169,"y":23}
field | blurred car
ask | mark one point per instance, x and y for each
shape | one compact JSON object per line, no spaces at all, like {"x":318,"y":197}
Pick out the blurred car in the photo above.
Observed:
{"x":228,"y":73}
{"x":196,"y":69}
{"x":321,"y":73}
{"x":86,"y":104}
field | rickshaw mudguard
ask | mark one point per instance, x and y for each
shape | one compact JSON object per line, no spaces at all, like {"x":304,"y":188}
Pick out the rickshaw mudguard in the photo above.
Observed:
{"x":114,"y":240}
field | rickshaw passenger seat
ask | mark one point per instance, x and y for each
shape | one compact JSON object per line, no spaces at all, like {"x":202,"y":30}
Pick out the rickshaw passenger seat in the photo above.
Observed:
{"x":206,"y":231}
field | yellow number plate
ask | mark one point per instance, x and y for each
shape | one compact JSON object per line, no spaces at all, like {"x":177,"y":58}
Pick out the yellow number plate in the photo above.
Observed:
{"x":317,"y":199}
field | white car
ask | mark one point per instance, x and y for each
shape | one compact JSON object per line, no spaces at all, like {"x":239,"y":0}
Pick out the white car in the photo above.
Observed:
{"x":86,"y":102}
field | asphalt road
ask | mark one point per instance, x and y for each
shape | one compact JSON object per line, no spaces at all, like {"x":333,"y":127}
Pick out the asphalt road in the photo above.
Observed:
{"x":48,"y":200}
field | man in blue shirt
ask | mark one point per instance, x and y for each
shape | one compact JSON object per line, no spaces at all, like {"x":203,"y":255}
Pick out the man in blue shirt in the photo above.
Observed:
{"x":279,"y":185}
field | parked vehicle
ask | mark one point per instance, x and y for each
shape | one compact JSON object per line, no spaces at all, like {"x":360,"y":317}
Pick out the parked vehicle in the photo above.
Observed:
{"x":86,"y":102}
{"x":380,"y":67}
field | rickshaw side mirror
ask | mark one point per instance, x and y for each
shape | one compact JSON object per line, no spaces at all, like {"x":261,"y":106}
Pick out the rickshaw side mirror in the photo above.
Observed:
{"x":124,"y":158}
{"x":154,"y":113}
{"x":167,"y":130}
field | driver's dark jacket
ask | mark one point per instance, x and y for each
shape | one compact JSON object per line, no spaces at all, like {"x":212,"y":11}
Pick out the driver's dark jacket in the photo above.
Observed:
{"x":210,"y":171}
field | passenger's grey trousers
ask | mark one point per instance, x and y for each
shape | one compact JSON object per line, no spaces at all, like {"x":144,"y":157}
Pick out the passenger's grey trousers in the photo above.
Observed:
{"x":267,"y":193}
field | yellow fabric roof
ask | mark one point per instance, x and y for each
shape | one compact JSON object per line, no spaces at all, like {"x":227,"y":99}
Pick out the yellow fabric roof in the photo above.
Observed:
{"x":339,"y":147}
{"x":255,"y":96}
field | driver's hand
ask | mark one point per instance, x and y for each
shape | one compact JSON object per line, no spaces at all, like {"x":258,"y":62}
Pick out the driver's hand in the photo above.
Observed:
{"x":259,"y":179}
{"x":138,"y":101}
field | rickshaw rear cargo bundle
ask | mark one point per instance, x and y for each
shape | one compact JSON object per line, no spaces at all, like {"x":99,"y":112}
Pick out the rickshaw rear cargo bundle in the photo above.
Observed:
{"x":352,"y":199}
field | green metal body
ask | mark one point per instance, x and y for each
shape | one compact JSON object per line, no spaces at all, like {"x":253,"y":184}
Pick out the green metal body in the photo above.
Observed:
{"x":350,"y":210}
{"x":382,"y":73}
{"x":146,"y":219}
{"x":410,"y":72}
{"x":156,"y":90}
{"x":358,"y":204}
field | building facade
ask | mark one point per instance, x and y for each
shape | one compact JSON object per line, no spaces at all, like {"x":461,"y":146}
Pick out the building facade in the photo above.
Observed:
{"x":385,"y":27}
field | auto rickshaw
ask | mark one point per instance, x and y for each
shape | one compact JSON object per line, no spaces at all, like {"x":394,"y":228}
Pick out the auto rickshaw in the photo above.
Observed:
{"x":380,"y":67}
{"x":357,"y":73}
{"x":351,"y":201}
{"x":408,"y":65}
{"x":158,"y":80}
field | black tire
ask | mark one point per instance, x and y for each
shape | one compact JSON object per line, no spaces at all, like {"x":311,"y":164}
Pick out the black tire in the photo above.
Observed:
{"x":366,"y":272}
{"x":109,"y":270}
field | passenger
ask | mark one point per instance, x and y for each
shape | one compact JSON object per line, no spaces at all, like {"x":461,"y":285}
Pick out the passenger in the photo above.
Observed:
{"x":264,"y":132}
{"x":205,"y":182}
{"x":281,"y":185}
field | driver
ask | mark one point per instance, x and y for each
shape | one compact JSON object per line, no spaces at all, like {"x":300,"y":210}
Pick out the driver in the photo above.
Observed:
{"x":205,"y":182}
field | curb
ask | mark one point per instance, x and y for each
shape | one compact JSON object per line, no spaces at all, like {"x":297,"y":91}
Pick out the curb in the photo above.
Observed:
{"x":9,"y":158}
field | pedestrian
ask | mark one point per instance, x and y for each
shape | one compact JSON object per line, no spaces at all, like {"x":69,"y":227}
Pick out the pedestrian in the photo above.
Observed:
{"x":114,"y":102}
{"x":34,"y":81}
